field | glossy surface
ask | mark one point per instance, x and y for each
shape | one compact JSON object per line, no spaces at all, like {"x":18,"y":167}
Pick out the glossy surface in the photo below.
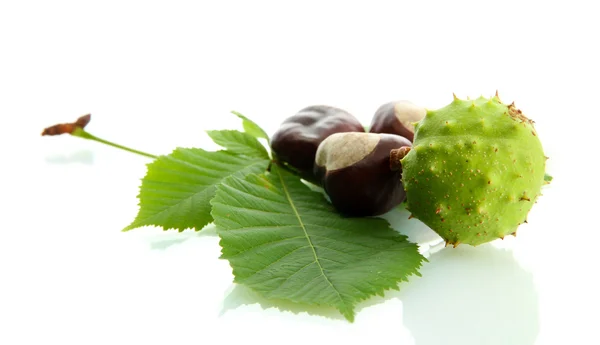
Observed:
{"x":155,"y":76}
{"x":397,"y":118}
{"x":297,"y":139}
{"x":364,"y":185}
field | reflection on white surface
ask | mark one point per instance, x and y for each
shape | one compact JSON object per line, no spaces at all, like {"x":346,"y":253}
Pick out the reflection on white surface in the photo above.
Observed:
{"x":241,"y":295}
{"x":466,"y":295}
{"x":472,"y":295}
{"x":414,"y":229}
{"x":164,"y":240}
{"x":83,"y":157}
{"x":69,"y":276}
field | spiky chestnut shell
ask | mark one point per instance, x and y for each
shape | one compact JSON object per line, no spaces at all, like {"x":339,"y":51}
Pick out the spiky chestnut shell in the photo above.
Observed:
{"x":475,"y":170}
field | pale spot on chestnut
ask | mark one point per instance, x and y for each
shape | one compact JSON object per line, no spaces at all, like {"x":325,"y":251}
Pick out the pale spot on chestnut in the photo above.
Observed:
{"x":340,"y":150}
{"x":361,"y":173}
{"x":296,"y":141}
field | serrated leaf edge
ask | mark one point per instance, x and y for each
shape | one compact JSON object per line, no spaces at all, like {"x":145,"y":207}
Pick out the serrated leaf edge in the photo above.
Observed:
{"x":247,"y":123}
{"x":263,"y":153}
{"x":378,"y":291}
{"x":132,"y":226}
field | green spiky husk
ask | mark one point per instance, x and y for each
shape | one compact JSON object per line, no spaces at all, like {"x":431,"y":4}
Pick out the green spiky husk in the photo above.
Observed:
{"x":475,"y":170}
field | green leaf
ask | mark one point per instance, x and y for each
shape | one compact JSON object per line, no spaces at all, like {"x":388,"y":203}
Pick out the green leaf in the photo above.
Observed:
{"x":177,"y":188}
{"x":239,"y":143}
{"x":251,"y":127}
{"x":547,"y":178}
{"x":287,"y":243}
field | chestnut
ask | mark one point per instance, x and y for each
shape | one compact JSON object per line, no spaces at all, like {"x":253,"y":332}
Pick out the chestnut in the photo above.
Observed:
{"x":361,"y":172}
{"x":397,"y":118}
{"x":296,"y":141}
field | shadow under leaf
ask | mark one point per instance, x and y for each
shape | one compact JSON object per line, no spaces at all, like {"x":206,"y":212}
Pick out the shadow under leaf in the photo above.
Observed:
{"x":82,"y":157}
{"x":241,"y":295}
{"x":166,"y":239}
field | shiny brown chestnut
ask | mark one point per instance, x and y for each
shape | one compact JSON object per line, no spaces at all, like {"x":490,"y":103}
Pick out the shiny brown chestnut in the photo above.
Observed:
{"x":397,"y":118}
{"x":361,"y":172}
{"x":295,"y":143}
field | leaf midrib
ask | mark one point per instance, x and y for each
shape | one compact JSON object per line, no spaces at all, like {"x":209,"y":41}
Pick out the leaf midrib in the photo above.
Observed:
{"x":312,"y":247}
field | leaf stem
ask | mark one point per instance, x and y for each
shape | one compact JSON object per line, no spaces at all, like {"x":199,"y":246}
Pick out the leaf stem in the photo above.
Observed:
{"x":79,"y":132}
{"x":396,"y":156}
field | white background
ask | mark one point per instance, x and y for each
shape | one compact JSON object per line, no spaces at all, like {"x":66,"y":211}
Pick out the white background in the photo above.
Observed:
{"x":155,"y":75}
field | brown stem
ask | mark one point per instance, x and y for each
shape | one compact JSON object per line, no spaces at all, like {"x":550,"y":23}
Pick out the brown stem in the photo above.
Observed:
{"x":396,"y":156}
{"x":67,"y":128}
{"x":76,"y":129}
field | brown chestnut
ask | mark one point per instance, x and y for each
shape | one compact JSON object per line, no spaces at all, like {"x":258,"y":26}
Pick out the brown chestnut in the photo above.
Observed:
{"x":295,"y":143}
{"x":360,"y":172}
{"x":397,"y":118}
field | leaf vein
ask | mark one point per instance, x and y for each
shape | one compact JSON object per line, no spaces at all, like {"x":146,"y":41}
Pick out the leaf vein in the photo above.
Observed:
{"x":262,"y":227}
{"x":279,"y":240}
{"x":276,"y":261}
{"x":289,"y":198}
